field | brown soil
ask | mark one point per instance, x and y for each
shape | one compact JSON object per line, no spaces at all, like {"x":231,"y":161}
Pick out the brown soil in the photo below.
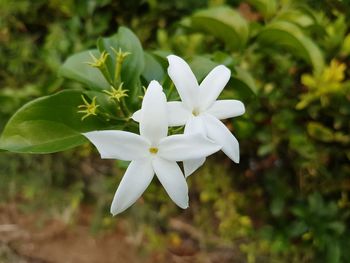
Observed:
{"x":28,"y":239}
{"x":22,"y":241}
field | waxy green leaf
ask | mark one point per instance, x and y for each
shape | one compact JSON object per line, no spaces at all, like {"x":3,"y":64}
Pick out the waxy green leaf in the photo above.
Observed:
{"x":76,"y":67}
{"x":49,"y":124}
{"x":225,"y":23}
{"x":240,"y":78}
{"x":153,"y":69}
{"x":134,"y":63}
{"x":266,"y":7}
{"x":291,"y":37}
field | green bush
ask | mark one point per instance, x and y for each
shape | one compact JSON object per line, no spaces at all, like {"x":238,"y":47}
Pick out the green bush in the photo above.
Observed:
{"x":288,"y":198}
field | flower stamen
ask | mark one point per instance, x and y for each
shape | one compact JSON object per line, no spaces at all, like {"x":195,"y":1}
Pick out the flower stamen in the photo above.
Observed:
{"x":153,"y":150}
{"x":195,"y":112}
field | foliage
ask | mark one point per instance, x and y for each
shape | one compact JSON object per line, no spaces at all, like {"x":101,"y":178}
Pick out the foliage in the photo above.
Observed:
{"x":288,"y":198}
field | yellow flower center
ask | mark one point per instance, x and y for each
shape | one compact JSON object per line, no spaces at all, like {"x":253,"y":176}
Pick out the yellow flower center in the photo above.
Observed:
{"x":195,"y":112}
{"x":153,"y":150}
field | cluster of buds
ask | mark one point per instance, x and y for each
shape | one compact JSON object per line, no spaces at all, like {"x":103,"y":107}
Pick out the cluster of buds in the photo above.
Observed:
{"x":117,"y":93}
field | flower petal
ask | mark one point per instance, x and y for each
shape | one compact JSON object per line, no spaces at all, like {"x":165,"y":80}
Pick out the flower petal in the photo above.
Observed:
{"x":173,"y":181}
{"x":195,"y":125}
{"x":154,"y":119}
{"x":177,"y":113}
{"x":223,"y":109}
{"x":184,"y":80}
{"x":190,"y":166}
{"x":186,"y":147}
{"x":212,"y":85}
{"x":136,"y":116}
{"x":218,"y":132}
{"x":135,"y":181}
{"x":120,"y":145}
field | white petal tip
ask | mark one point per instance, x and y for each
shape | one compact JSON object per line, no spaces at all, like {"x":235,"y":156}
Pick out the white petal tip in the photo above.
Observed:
{"x":184,"y":206}
{"x":235,"y":159}
{"x":155,"y":86}
{"x":86,"y":134}
{"x":136,"y":116}
{"x":224,"y":69}
{"x":189,"y":172}
{"x":242,"y":108}
{"x":115,"y":210}
{"x":172,"y":57}
{"x":114,"y":213}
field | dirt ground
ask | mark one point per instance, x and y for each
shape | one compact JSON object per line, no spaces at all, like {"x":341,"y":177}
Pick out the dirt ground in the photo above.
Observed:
{"x":23,"y":241}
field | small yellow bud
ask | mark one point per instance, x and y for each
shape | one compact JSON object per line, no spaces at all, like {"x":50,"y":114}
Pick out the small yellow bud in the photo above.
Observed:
{"x":119,"y":59}
{"x":335,"y":72}
{"x":116,"y":94}
{"x":120,"y":55}
{"x":307,"y":236}
{"x":98,"y":62}
{"x":88,"y":108}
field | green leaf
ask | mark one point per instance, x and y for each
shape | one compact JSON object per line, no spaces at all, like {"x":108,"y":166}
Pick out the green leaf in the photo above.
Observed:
{"x":201,"y":66}
{"x":76,"y":68}
{"x":48,"y":124}
{"x":245,"y":78}
{"x":133,"y":64}
{"x":241,"y":80}
{"x":318,"y":131}
{"x":297,"y":16}
{"x":153,"y":69}
{"x":287,"y":35}
{"x":223,"y":22}
{"x":297,"y":228}
{"x":333,"y":253}
{"x":266,"y":7}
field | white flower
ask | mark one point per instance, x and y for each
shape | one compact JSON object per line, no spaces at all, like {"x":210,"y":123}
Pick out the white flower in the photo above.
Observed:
{"x":151,"y":152}
{"x":199,"y":110}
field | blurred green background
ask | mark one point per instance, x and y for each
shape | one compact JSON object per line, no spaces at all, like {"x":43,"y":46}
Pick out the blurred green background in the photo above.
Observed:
{"x":288,"y":199}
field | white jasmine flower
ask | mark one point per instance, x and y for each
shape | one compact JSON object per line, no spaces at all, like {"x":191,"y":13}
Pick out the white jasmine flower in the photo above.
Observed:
{"x":151,"y":152}
{"x":199,"y":110}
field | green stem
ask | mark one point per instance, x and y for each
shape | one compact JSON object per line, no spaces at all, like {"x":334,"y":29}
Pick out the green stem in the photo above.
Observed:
{"x":124,"y":108}
{"x":118,"y":69}
{"x":105,"y":73}
{"x":177,"y":130}
{"x":170,"y":90}
{"x":107,"y":116}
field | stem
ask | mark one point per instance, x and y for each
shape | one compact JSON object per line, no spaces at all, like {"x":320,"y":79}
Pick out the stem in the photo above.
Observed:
{"x":118,"y":69}
{"x":124,"y":108}
{"x":170,"y":90}
{"x":107,"y":116}
{"x":105,"y":73}
{"x":177,"y":130}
